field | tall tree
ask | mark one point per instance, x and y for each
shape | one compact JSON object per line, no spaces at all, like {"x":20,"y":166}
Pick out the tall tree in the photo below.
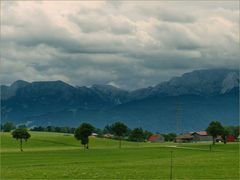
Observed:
{"x":137,"y":135}
{"x":83,"y":132}
{"x":233,"y":130}
{"x":225,"y":133}
{"x":107,"y":129}
{"x":21,"y":134}
{"x":215,"y":129}
{"x":169,"y":136}
{"x":119,"y":129}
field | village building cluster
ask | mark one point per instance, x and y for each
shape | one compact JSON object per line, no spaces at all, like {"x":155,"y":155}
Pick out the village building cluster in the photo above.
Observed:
{"x":201,"y":136}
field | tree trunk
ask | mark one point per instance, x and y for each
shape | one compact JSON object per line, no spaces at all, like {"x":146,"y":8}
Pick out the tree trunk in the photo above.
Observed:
{"x":21,"y":145}
{"x":225,"y":140}
{"x":213,"y":140}
{"x":87,"y":146}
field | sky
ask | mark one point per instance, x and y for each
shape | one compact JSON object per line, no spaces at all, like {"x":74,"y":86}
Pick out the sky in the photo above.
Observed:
{"x":127,"y":44}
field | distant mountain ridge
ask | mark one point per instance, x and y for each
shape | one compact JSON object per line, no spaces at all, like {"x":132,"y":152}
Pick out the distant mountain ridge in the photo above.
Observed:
{"x":55,"y":102}
{"x":199,"y":82}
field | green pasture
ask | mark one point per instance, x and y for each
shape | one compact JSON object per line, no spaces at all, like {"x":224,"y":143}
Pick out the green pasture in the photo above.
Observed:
{"x":60,"y":156}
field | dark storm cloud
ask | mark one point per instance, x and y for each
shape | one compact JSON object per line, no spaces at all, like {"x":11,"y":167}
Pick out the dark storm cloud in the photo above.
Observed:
{"x":126,"y":44}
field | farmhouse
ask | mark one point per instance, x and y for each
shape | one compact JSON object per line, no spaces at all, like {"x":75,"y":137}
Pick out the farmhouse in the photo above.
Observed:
{"x":201,"y":136}
{"x":156,"y":138}
{"x":108,"y":135}
{"x":94,"y":135}
{"x":187,"y":137}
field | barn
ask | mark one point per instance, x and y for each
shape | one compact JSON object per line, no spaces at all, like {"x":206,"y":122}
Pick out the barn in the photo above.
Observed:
{"x":187,"y":137}
{"x":201,"y":136}
{"x":156,"y":138}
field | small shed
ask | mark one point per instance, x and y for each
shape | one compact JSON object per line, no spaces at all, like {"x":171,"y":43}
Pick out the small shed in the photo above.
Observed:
{"x":156,"y":138}
{"x":182,"y":138}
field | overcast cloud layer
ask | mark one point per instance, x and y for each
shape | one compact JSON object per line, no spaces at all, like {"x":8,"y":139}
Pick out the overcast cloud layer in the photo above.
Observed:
{"x":126,"y":44}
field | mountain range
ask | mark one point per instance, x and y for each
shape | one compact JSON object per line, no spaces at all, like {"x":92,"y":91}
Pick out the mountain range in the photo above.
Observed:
{"x":185,"y":103}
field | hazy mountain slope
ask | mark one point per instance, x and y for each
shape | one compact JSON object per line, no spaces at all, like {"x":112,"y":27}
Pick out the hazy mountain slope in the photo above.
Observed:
{"x":199,"y":82}
{"x":157,"y":114}
{"x":204,"y":95}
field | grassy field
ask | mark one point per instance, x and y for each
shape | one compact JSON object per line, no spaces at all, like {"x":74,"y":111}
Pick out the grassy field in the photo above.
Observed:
{"x":56,"y":156}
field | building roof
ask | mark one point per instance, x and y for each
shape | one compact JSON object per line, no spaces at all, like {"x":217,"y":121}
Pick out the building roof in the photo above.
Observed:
{"x":184,"y":136}
{"x":201,"y":133}
{"x":154,"y":137}
{"x":108,"y":135}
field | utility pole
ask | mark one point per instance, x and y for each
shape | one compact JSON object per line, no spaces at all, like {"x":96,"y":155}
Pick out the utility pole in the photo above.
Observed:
{"x":171,"y":166}
{"x":178,"y":116}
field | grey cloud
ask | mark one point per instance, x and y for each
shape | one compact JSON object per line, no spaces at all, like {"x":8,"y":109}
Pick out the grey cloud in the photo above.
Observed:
{"x":131,"y":45}
{"x":177,"y":18}
{"x":103,"y":23}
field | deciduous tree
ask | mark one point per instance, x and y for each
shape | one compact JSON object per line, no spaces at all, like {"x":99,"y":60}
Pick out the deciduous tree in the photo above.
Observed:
{"x":224,"y":135}
{"x":119,"y":129}
{"x":21,"y":134}
{"x":83,"y":132}
{"x":137,"y":135}
{"x":215,"y":129}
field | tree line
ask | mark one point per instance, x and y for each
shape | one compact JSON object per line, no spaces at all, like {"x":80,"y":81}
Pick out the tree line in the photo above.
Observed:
{"x":130,"y":134}
{"x":118,"y":129}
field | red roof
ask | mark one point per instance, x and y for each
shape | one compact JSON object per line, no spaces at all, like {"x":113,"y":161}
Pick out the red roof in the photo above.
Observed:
{"x":154,"y":137}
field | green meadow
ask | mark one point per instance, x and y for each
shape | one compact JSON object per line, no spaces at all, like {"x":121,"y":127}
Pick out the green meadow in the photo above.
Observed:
{"x":60,"y":156}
